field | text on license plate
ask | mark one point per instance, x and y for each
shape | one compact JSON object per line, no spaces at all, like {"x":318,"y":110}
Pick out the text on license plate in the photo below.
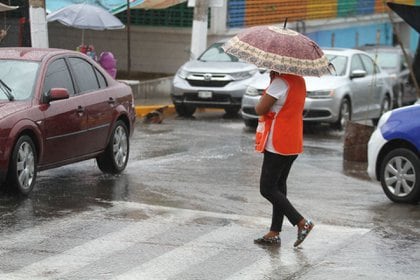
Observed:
{"x":205,"y":94}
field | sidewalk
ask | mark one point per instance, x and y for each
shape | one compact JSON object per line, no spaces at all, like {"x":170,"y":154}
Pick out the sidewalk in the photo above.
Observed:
{"x":150,"y":95}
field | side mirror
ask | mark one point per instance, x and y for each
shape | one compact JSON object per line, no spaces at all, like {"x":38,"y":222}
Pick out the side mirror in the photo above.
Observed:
{"x":358,"y":74}
{"x":262,"y":70}
{"x":57,"y":94}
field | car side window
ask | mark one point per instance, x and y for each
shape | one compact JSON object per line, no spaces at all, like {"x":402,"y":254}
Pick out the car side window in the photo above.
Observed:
{"x":58,"y":76}
{"x":84,"y":74}
{"x":368,"y":63}
{"x":101,"y":79}
{"x":356,"y":63}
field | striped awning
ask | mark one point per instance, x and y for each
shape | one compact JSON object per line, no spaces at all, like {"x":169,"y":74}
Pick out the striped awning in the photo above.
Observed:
{"x":158,"y":4}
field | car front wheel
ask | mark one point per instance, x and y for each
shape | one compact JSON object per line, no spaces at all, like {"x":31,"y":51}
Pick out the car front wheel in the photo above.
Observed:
{"x":184,"y":110}
{"x":232,"y":111}
{"x":23,"y":166}
{"x":344,"y":114}
{"x":400,"y":176}
{"x":385,"y":107}
{"x":251,"y":123}
{"x":114,"y":159}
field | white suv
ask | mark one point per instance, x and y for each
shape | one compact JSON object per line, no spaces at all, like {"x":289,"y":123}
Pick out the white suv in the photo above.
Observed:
{"x":215,"y":80}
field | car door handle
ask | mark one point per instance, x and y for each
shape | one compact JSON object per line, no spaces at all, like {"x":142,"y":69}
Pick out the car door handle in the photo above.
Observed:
{"x":111,"y":101}
{"x":80,"y":110}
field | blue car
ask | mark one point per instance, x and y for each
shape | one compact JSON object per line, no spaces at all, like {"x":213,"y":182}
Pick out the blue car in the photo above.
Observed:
{"x":394,"y":154}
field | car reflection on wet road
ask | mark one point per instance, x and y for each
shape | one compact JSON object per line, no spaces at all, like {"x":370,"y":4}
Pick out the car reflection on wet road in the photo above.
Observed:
{"x":188,"y":207}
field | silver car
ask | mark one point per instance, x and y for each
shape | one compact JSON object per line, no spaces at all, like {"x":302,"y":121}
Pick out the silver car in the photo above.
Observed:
{"x":392,"y":60}
{"x":358,"y":90}
{"x":215,"y":80}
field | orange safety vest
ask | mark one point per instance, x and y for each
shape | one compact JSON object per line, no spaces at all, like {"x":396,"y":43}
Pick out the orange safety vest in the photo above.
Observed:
{"x":288,"y":122}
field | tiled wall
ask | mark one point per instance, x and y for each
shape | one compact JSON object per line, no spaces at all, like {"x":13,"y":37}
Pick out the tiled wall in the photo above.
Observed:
{"x":243,"y":13}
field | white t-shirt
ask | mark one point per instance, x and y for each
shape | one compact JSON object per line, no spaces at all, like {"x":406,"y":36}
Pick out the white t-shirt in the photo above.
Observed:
{"x":279,"y":90}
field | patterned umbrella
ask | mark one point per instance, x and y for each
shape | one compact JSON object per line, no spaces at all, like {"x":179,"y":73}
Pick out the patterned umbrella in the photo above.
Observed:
{"x":279,"y":49}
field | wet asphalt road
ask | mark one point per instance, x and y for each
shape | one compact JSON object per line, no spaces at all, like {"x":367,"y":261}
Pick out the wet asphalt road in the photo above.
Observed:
{"x":188,"y":207}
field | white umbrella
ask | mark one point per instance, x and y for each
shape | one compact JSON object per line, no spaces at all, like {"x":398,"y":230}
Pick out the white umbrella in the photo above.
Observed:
{"x":86,"y":16}
{"x":4,"y":7}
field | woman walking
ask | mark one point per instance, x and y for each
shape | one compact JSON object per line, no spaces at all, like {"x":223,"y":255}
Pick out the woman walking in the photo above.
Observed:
{"x":289,"y":55}
{"x":280,"y":137}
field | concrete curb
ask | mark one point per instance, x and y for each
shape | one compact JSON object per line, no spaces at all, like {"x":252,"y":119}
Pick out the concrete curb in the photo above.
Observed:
{"x":143,"y":110}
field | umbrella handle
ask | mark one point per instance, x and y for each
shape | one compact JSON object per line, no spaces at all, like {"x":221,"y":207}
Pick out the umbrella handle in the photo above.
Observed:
{"x":285,"y":22}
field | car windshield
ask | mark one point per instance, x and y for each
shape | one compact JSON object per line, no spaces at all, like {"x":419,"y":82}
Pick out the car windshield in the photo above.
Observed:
{"x":386,"y":60}
{"x":339,"y":62}
{"x":216,"y":53}
{"x":19,"y":76}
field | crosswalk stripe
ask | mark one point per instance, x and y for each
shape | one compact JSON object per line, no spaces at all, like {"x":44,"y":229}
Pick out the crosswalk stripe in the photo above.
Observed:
{"x":325,"y":236}
{"x":79,"y":256}
{"x":179,"y":259}
{"x":236,"y":232}
{"x":43,"y":231}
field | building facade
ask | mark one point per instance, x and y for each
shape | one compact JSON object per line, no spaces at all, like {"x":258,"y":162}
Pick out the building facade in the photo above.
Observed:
{"x":160,"y":39}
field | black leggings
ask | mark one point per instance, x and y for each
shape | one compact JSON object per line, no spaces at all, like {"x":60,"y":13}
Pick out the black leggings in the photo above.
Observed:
{"x":273,"y":187}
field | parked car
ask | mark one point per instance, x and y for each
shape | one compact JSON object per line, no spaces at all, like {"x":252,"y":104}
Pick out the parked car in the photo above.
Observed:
{"x":359,"y":90}
{"x":59,"y":107}
{"x":251,"y":97}
{"x":392,"y":60}
{"x":215,"y":80}
{"x":394,"y":154}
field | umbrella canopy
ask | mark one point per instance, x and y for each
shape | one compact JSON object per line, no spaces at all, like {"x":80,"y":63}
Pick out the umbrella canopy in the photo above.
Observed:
{"x":113,"y":6}
{"x":409,"y":13}
{"x":4,"y":7}
{"x":279,"y":49}
{"x":86,"y":16}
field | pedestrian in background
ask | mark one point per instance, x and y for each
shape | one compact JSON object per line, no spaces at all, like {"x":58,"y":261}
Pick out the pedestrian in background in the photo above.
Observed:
{"x":280,"y":137}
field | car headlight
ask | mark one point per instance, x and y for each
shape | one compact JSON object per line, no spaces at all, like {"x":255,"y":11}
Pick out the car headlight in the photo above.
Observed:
{"x":243,"y":75}
{"x":384,"y":119}
{"x":320,"y":94}
{"x":182,"y":73}
{"x":250,"y":90}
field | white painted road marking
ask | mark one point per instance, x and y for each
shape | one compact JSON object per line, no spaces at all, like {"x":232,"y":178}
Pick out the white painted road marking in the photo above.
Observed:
{"x":181,"y":258}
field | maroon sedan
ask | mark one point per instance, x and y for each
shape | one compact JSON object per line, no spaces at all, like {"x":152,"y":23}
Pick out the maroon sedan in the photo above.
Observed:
{"x":59,"y":107}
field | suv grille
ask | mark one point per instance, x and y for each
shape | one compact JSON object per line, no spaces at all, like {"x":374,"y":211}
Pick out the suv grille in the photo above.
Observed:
{"x":215,"y":98}
{"x":208,"y":80}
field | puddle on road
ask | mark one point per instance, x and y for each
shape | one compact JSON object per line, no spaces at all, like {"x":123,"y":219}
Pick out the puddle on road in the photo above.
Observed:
{"x":147,"y":154}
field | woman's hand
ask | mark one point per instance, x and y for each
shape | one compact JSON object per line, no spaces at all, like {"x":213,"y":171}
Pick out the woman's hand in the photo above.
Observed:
{"x":265,"y":104}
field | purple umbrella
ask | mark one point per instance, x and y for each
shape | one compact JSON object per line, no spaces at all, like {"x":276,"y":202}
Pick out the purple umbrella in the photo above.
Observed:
{"x":279,"y":49}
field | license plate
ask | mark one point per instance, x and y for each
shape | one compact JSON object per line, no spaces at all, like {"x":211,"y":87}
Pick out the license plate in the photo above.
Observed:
{"x":205,"y":94}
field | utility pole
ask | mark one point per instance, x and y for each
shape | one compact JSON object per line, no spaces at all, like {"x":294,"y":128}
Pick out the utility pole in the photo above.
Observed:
{"x":38,"y":24}
{"x":128,"y":40}
{"x":199,"y":28}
